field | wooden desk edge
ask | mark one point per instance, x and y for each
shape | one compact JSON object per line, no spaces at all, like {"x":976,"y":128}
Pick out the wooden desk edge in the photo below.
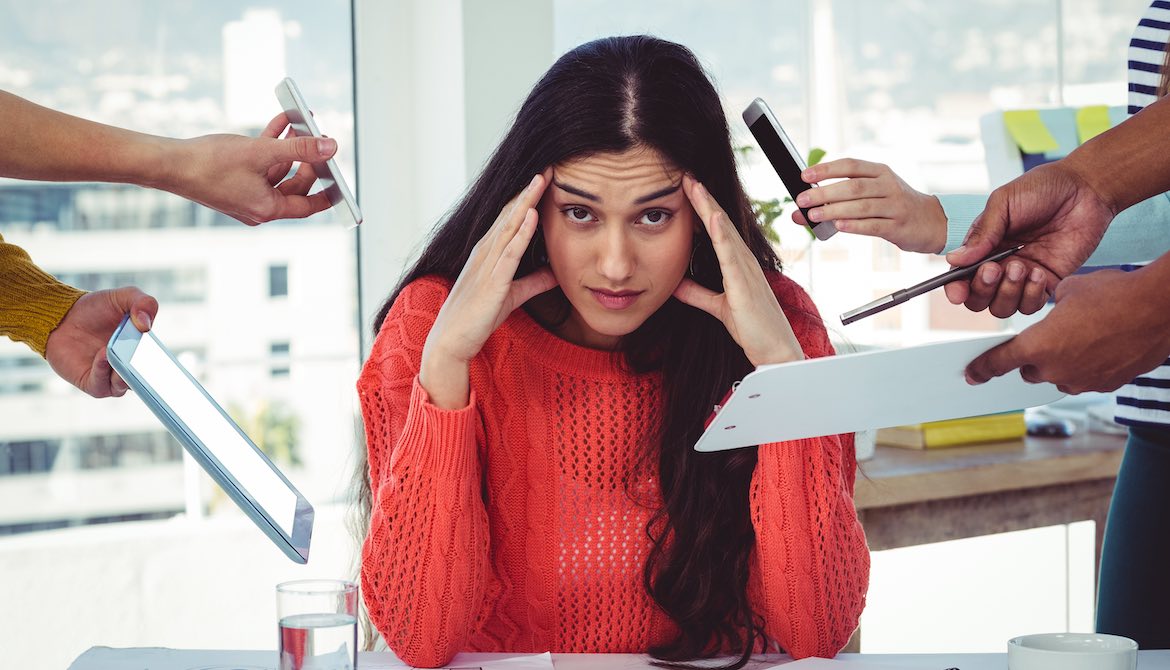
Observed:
{"x":984,"y":478}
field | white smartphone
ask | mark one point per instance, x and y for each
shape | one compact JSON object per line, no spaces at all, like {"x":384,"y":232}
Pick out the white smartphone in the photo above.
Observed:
{"x":784,"y":157}
{"x":190,"y":413}
{"x":301,"y":120}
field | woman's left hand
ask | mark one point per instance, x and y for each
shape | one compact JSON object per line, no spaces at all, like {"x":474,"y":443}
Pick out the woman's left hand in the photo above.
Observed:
{"x":747,"y":306}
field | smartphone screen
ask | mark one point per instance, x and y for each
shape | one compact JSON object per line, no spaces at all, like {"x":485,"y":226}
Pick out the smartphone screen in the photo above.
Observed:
{"x":785,"y":160}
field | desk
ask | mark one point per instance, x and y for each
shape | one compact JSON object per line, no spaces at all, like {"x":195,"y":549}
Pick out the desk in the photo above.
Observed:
{"x":104,"y":658}
{"x":910,"y":496}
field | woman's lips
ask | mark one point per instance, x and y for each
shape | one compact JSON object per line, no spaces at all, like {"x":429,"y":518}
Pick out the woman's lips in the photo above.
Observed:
{"x":615,"y":299}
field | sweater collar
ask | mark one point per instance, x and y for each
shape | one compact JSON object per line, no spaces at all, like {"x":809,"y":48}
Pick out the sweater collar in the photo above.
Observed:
{"x":537,"y":343}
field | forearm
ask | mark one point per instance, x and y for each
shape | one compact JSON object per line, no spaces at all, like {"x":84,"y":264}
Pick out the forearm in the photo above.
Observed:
{"x":1129,"y":162}
{"x":446,"y":379}
{"x":41,"y":143}
{"x":814,"y":562}
{"x":425,"y":557}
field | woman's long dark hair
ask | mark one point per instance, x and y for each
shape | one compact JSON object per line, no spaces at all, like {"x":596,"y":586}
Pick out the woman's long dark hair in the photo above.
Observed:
{"x":611,"y":95}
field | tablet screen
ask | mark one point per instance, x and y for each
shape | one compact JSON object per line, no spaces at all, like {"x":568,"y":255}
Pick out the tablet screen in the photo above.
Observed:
{"x":216,"y":432}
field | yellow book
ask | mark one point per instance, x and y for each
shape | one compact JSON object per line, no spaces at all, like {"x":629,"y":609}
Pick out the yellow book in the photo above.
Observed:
{"x":954,"y":432}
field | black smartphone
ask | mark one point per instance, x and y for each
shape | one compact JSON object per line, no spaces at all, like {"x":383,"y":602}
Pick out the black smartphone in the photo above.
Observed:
{"x":784,"y":157}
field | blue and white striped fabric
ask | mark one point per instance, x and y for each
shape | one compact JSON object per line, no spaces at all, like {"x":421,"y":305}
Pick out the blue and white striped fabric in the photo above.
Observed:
{"x":1146,"y":400}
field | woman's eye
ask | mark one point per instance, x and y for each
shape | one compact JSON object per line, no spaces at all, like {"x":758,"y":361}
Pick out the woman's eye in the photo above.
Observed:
{"x":578,"y":215}
{"x":655,"y":217}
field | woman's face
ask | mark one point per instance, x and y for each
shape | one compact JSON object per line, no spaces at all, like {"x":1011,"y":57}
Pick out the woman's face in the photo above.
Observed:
{"x":619,"y":230}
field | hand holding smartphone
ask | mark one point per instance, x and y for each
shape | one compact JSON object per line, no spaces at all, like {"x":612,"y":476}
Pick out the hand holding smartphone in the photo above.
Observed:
{"x":784,"y":157}
{"x":301,"y":120}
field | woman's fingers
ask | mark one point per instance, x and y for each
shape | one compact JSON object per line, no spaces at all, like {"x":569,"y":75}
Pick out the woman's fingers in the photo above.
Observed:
{"x":842,"y":168}
{"x":723,"y":235}
{"x":531,"y":285}
{"x":883,"y":228}
{"x":696,"y":295}
{"x":510,"y":256}
{"x":857,"y":188}
{"x":512,"y":216}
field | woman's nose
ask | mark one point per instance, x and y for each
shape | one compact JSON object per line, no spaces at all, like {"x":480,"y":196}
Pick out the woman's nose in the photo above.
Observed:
{"x":616,"y":260}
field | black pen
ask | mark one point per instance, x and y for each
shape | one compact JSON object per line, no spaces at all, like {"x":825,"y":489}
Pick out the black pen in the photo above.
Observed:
{"x":899,"y":297}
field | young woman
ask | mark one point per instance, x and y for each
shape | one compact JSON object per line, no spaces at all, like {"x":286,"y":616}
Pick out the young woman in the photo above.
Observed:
{"x":542,"y":373}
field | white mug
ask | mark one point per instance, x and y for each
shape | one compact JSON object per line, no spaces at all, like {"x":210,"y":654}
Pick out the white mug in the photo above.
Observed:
{"x":1072,"y":651}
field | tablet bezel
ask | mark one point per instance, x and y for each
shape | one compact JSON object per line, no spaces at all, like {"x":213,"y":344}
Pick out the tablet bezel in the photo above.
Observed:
{"x":120,"y":351}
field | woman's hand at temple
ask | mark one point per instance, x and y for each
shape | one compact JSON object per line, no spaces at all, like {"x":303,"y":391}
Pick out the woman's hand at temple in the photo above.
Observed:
{"x":874,"y":201}
{"x":485,"y":293}
{"x":747,"y":307}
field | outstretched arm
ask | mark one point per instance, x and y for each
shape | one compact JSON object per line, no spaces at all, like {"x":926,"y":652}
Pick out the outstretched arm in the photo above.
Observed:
{"x":239,"y":176}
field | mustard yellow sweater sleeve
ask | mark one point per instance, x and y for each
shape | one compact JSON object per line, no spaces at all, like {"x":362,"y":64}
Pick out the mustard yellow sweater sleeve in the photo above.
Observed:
{"x":32,"y":302}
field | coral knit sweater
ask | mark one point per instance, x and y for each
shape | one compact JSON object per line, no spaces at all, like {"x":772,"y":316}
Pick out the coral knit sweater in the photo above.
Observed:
{"x":506,"y":526}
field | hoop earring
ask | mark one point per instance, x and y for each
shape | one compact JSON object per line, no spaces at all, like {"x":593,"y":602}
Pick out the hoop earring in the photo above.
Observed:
{"x":539,"y":257}
{"x":691,"y":266}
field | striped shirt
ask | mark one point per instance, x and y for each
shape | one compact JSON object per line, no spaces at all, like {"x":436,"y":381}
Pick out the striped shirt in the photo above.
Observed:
{"x":1146,"y":400}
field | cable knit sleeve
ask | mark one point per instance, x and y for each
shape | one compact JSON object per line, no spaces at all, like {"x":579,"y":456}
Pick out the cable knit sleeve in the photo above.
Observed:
{"x":32,"y":302}
{"x":425,"y":557}
{"x":811,"y":565}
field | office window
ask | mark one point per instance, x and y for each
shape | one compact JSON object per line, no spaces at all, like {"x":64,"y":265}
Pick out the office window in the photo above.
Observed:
{"x":277,"y":281}
{"x":184,"y":70}
{"x":178,"y":70}
{"x":28,"y":456}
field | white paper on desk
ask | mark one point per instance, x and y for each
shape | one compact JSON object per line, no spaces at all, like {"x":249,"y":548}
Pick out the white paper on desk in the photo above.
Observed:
{"x":871,"y":389}
{"x":468,"y":661}
{"x":832,"y":664}
{"x":157,"y":658}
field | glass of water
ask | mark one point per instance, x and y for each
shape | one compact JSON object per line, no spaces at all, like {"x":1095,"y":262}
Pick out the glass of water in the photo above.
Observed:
{"x":318,"y":624}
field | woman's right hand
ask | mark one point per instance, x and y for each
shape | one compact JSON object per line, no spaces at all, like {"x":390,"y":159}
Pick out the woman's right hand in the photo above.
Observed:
{"x":482,"y":297}
{"x":874,"y":201}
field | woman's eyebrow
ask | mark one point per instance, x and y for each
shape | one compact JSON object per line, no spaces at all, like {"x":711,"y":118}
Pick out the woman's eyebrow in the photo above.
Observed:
{"x":576,"y":191}
{"x":660,"y":193}
{"x":644,"y":199}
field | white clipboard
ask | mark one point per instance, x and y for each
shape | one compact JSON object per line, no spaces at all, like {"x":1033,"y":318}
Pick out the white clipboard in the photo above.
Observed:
{"x":871,"y":389}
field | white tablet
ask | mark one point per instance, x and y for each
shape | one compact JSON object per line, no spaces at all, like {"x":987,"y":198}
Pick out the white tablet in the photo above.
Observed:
{"x":213,"y":439}
{"x":872,"y":389}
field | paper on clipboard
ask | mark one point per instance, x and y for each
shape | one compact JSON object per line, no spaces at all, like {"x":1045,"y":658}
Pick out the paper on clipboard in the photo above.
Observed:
{"x":871,"y":389}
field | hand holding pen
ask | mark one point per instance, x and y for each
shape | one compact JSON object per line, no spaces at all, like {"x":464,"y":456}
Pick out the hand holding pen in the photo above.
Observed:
{"x":899,"y":297}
